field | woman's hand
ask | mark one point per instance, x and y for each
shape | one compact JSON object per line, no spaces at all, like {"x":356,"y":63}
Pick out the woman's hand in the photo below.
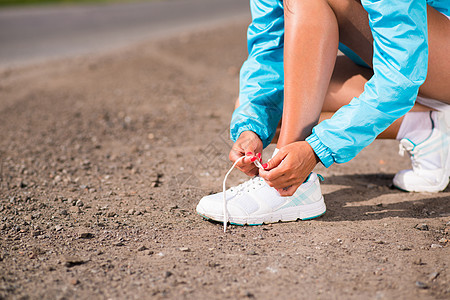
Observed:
{"x":287,"y":170}
{"x":249,"y":145}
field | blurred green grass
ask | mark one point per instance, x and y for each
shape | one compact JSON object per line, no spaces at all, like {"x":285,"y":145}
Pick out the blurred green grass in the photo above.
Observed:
{"x":4,"y":3}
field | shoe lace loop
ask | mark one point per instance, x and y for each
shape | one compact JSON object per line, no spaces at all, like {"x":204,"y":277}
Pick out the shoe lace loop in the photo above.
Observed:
{"x":243,"y":186}
{"x":413,"y":154}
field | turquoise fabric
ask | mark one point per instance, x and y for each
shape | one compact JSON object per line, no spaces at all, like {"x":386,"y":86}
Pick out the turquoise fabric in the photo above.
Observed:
{"x":399,"y":63}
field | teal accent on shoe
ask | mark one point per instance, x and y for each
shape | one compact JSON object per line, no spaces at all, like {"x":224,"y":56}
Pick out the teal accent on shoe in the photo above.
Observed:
{"x":305,"y":219}
{"x":320,"y":177}
{"x":204,"y":216}
{"x":246,"y":224}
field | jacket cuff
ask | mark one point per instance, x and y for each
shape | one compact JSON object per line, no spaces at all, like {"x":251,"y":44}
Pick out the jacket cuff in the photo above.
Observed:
{"x":323,"y":152}
{"x":237,"y":129}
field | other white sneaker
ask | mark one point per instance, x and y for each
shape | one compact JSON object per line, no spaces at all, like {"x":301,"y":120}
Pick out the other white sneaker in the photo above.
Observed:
{"x":254,"y":202}
{"x":430,"y":160}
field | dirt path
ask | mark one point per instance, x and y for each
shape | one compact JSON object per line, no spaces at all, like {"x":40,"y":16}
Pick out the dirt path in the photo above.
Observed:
{"x":104,"y":158}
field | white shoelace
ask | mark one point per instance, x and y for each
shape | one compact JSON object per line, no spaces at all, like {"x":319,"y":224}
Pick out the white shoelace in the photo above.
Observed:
{"x":225,"y":210}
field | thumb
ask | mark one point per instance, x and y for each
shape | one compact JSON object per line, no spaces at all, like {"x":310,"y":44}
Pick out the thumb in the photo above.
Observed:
{"x":275,"y":161}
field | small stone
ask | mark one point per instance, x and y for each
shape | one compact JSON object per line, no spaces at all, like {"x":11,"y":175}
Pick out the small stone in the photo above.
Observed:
{"x":148,"y":252}
{"x":184,"y":249}
{"x":131,"y":211}
{"x":75,"y":209}
{"x":74,"y":281}
{"x":63,"y":212}
{"x":213,"y":264}
{"x":71,"y":261}
{"x":58,"y":227}
{"x":36,"y":233}
{"x":443,"y":240}
{"x":404,"y":248}
{"x":119,"y":244}
{"x":252,"y":252}
{"x":433,"y":276}
{"x":111,"y":214}
{"x":421,"y":285}
{"x":167,"y":274}
{"x":418,"y":262}
{"x":249,"y":295}
{"x":79,"y":203}
{"x":142,"y":248}
{"x":86,"y":235}
{"x":434,"y":246}
{"x":423,"y":227}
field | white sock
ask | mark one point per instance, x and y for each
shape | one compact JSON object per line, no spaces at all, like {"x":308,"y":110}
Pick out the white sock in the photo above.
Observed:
{"x":416,"y":127}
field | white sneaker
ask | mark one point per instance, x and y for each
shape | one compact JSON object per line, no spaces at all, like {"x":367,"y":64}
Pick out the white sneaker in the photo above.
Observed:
{"x":254,"y":203}
{"x":428,"y":174}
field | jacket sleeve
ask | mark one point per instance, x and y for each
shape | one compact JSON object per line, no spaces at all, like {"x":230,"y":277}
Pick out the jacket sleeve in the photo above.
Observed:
{"x":400,"y":61}
{"x":261,"y":76}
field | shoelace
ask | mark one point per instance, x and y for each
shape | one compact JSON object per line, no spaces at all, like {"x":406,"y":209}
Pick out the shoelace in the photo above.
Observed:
{"x":412,"y":154}
{"x":225,"y":210}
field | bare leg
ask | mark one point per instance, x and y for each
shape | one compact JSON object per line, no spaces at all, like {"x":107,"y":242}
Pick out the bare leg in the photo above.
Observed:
{"x":308,"y":60}
{"x":310,"y":48}
{"x":354,"y":32}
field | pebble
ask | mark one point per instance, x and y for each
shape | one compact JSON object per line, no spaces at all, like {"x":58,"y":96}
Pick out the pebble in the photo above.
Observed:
{"x":421,"y":285}
{"x":167,"y":274}
{"x":148,"y":252}
{"x":443,"y":240}
{"x":184,"y":249}
{"x":79,"y":203}
{"x":71,"y":261}
{"x":433,"y":276}
{"x":131,"y":211}
{"x":63,"y":212}
{"x":58,"y":227}
{"x":423,"y":227}
{"x":74,"y":281}
{"x":404,"y":248}
{"x":252,"y":252}
{"x":142,"y":248}
{"x":435,"y":246}
{"x":119,"y":244}
{"x":111,"y":214}
{"x":213,"y":264}
{"x":86,"y":235}
{"x":418,"y":262}
{"x":75,"y":209}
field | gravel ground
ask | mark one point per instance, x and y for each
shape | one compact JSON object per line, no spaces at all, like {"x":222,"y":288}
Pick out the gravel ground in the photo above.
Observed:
{"x":104,"y":158}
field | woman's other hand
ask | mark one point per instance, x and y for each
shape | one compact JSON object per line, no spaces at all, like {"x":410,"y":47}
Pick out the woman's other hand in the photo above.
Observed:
{"x":249,"y":145}
{"x":289,"y":168}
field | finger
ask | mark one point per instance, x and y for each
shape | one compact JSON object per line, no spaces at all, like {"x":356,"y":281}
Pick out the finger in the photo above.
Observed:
{"x":278,"y":173}
{"x":289,"y":191}
{"x":235,"y":154}
{"x":282,"y":182}
{"x":275,"y":161}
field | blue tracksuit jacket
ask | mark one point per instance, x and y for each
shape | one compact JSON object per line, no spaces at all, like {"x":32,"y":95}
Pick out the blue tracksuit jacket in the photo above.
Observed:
{"x":400,"y":59}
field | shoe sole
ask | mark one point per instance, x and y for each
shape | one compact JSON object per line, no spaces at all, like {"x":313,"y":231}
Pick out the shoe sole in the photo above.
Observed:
{"x":290,"y":214}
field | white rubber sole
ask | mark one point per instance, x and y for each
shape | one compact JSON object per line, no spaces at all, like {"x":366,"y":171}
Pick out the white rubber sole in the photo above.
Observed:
{"x":302,"y":212}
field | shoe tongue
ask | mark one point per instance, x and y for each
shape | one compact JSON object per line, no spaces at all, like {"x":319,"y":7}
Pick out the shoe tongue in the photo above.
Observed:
{"x":274,"y":152}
